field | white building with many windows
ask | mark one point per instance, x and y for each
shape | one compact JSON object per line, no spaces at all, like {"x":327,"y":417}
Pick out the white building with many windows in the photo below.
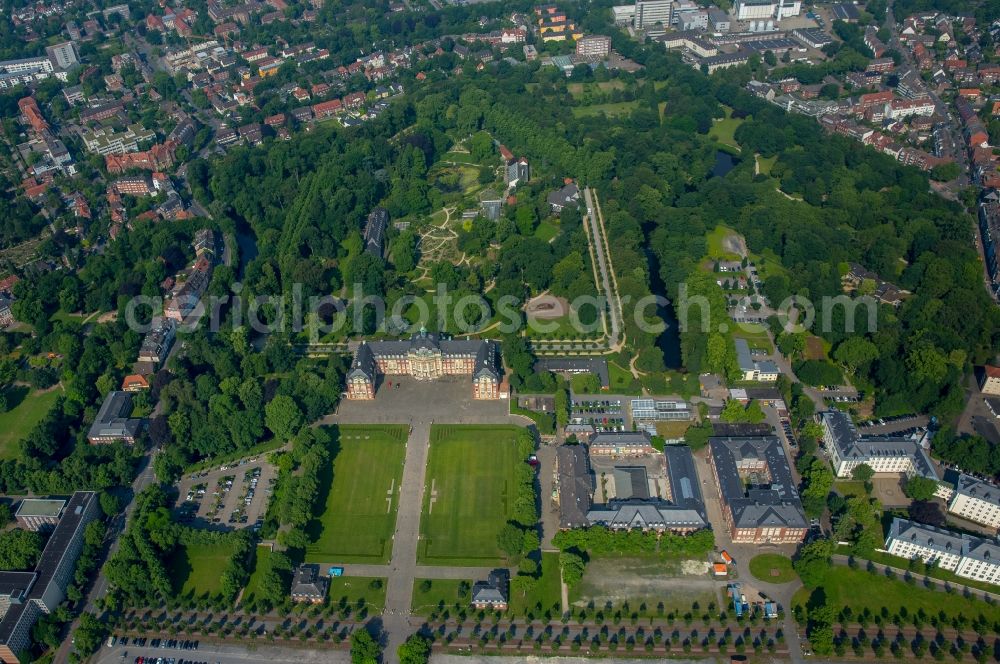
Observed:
{"x":967,"y":556}
{"x":884,"y":454}
{"x":971,"y":498}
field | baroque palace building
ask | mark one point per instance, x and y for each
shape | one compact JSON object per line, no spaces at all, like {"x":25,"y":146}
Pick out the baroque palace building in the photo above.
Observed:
{"x":426,"y":356}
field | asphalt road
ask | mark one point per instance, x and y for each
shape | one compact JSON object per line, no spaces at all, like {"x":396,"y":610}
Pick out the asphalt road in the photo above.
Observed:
{"x":224,"y":654}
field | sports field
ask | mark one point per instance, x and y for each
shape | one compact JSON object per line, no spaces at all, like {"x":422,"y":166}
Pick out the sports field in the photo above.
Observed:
{"x":469,"y":493}
{"x":361,"y":490}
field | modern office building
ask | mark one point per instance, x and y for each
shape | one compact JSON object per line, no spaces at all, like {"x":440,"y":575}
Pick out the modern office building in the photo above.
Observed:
{"x":650,"y":12}
{"x":659,"y":410}
{"x":39,"y":514}
{"x":25,"y":596}
{"x":765,"y":372}
{"x":594,"y":46}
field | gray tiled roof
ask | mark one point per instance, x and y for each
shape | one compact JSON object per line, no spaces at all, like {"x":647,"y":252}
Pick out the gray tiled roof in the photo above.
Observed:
{"x":852,"y":446}
{"x":308,"y":582}
{"x":774,"y":504}
{"x":643,"y":514}
{"x":594,"y":365}
{"x":486,"y":352}
{"x":968,"y":485}
{"x":928,"y":537}
{"x":113,"y":418}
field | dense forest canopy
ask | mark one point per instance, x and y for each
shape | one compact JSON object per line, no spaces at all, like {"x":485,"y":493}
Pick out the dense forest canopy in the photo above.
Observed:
{"x":838,"y":202}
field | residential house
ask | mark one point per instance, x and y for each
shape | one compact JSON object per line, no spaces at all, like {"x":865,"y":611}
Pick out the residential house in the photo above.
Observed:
{"x":308,"y":585}
{"x":492,"y":594}
{"x":562,"y":198}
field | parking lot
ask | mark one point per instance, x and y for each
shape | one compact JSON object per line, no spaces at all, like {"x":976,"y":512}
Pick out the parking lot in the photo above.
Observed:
{"x":603,"y":414}
{"x":230,"y":497}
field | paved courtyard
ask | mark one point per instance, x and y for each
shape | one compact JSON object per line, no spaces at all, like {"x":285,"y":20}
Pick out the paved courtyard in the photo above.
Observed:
{"x":419,"y":404}
{"x":408,"y":400}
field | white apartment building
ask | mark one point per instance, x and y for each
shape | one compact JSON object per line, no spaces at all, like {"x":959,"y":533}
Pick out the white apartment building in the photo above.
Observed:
{"x":884,"y":454}
{"x":750,"y":10}
{"x":105,"y":141}
{"x":789,"y":8}
{"x":967,"y":556}
{"x":971,"y":498}
{"x":623,"y":14}
{"x":650,"y":12}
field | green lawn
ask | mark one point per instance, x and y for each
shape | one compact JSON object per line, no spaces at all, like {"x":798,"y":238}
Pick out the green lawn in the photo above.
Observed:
{"x":919,"y":568}
{"x":716,"y":249}
{"x":545,"y":595}
{"x":622,"y":381}
{"x":546,"y":231}
{"x":577,"y":89}
{"x":18,"y":422}
{"x":765,"y":164}
{"x":755,"y":335}
{"x":849,"y":488}
{"x":260,"y":565}
{"x":358,"y":591}
{"x":197,"y":570}
{"x":611,"y":110}
{"x":468,"y":494}
{"x":361,"y":496}
{"x":460,"y":158}
{"x":764,"y":566}
{"x":860,"y":589}
{"x":442,"y":593}
{"x":724,"y":130}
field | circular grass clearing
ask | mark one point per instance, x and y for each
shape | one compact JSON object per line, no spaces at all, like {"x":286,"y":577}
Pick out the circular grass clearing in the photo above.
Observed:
{"x":772,"y":568}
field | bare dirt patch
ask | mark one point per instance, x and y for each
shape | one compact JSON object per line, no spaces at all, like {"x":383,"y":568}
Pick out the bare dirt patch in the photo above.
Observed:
{"x":677,"y":583}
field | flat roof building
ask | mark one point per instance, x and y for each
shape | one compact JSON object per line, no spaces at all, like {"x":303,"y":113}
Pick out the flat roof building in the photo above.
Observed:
{"x":28,"y":595}
{"x":621,"y":444}
{"x":39,"y":513}
{"x":576,"y":365}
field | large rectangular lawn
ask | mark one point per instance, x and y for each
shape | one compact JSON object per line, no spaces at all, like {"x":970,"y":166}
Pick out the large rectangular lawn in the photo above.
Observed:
{"x":361,"y":495}
{"x":468,"y":495}
{"x":197,"y":570}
